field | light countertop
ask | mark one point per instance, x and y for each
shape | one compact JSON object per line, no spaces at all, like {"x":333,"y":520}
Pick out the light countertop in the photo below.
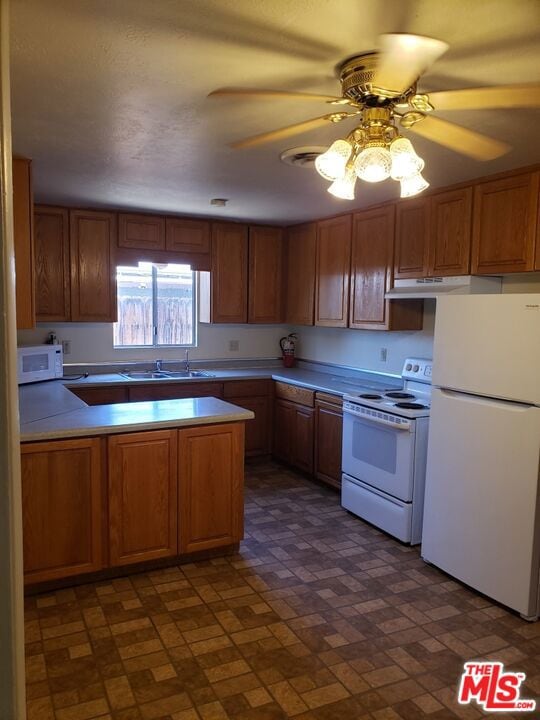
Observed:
{"x":49,"y":410}
{"x":133,"y":417}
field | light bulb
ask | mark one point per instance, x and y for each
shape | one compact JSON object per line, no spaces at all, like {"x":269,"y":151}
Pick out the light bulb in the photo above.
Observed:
{"x":344,"y":187}
{"x":331,"y":164}
{"x":405,"y":162}
{"x":373,"y":164}
{"x":413,"y":185}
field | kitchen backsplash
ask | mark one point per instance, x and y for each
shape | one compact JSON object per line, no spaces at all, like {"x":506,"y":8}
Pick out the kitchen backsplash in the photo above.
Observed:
{"x":92,"y":342}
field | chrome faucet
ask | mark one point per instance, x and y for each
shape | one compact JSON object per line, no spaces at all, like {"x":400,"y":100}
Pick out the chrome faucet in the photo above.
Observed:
{"x":187,"y":360}
{"x":159,"y":365}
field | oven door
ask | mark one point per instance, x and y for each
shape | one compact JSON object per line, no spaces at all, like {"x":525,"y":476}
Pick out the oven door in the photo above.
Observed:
{"x":379,"y":453}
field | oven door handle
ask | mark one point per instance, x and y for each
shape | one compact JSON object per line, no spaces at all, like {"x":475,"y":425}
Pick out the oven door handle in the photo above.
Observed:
{"x":403,"y":425}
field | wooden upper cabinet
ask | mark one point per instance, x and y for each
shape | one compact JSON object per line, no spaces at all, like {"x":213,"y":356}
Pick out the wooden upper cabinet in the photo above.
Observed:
{"x":301,"y":254}
{"x":224,"y":291}
{"x":93,"y":271}
{"x":61,"y":508}
{"x":141,"y":232}
{"x":504,"y":224}
{"x":412,"y":237}
{"x":143,"y":487}
{"x":211,"y":483}
{"x":51,"y":246}
{"x":23,"y":242}
{"x":371,"y":267}
{"x":188,"y":236}
{"x":265,"y":296}
{"x":332,"y":271}
{"x":450,"y":217}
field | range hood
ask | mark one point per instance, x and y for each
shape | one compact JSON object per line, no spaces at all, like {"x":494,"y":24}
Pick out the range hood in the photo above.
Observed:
{"x":434,"y":287}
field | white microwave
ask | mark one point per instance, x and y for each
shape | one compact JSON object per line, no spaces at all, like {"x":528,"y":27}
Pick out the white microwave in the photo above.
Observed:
{"x":39,"y":362}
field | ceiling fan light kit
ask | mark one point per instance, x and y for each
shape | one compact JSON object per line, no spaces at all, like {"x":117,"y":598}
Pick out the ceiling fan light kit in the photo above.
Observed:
{"x":381,"y":88}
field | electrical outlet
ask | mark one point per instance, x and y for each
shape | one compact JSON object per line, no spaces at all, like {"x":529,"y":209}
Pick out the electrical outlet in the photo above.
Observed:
{"x":382,"y":354}
{"x":66,"y":347}
{"x":234,"y":345}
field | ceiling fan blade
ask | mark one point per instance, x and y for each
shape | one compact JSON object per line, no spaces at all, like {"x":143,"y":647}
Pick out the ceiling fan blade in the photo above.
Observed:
{"x":285,"y":131}
{"x":462,"y":140}
{"x":403,"y":58}
{"x":503,"y":96}
{"x":221,"y":92}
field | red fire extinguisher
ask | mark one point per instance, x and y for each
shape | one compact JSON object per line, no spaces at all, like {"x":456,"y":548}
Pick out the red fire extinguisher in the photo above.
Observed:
{"x":288,"y":344}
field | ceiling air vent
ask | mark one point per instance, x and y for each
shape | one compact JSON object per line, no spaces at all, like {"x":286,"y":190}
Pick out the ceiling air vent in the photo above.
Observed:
{"x":302,"y":156}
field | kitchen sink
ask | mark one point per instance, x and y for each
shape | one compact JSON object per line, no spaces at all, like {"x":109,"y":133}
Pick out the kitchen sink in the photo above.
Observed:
{"x":163,"y":374}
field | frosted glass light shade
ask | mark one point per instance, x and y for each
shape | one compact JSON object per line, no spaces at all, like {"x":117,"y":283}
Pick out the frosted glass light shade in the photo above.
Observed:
{"x":331,"y":164}
{"x":413,"y":185}
{"x":373,"y":164}
{"x":405,"y":162}
{"x":344,"y":187}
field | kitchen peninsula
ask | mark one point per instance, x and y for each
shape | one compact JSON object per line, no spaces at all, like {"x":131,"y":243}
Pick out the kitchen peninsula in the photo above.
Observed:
{"x":123,"y":485}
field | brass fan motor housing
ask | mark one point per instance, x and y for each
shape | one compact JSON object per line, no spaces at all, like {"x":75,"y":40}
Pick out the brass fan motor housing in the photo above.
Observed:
{"x":356,"y":75}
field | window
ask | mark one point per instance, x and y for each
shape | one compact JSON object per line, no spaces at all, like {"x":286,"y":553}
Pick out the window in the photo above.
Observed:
{"x":156,"y":306}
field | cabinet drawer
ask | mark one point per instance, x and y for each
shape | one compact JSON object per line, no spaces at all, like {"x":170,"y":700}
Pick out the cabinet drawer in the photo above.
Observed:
{"x":299,"y":395}
{"x":246,"y":388}
{"x":174,"y":391}
{"x":336,"y":400}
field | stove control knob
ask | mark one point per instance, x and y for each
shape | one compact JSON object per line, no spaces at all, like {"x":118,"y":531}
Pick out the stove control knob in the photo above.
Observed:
{"x":408,"y":367}
{"x":416,"y":368}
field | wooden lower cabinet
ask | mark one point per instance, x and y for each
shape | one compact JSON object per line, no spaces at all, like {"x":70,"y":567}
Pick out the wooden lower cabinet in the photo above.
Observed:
{"x":174,"y":391}
{"x":293,"y":434}
{"x":254,"y":395}
{"x":101,"y":395}
{"x":210,"y":497}
{"x":143,"y":488}
{"x":62,"y":508}
{"x":328,"y":436}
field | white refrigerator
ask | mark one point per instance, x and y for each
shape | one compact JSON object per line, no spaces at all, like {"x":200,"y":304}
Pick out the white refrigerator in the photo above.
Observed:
{"x":482,"y":508}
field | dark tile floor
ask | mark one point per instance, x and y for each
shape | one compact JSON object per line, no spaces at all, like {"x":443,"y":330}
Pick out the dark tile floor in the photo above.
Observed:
{"x":319,"y":616}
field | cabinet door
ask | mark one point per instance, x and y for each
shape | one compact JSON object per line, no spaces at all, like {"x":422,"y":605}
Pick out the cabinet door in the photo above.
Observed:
{"x":228,"y":278}
{"x":257,"y":440}
{"x":504,"y":224}
{"x":328,"y":436}
{"x":412,"y":236}
{"x":143,"y":484}
{"x":51,"y":246}
{"x":101,"y":395}
{"x":450,"y":237}
{"x":211,"y":486}
{"x":141,"y":232}
{"x":301,"y":254}
{"x":371,"y":268}
{"x":332,"y":271}
{"x":61,"y":508}
{"x":188,"y":236}
{"x":24,"y":243}
{"x":93,"y":272}
{"x":302,"y":446}
{"x":174,"y":391}
{"x":284,"y":424}
{"x":265,"y":275}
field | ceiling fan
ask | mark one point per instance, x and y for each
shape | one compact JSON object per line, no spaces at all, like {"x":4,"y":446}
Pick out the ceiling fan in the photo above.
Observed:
{"x":380,"y":88}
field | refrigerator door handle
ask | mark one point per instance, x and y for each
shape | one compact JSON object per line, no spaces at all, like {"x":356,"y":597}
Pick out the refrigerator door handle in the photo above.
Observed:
{"x":483,"y":400}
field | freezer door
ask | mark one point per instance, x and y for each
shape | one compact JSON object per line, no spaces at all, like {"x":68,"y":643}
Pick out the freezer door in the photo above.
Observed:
{"x":481,"y":499}
{"x":489,"y":345}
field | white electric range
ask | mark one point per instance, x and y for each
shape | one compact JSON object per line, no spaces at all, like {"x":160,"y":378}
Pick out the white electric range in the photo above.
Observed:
{"x":384,"y":453}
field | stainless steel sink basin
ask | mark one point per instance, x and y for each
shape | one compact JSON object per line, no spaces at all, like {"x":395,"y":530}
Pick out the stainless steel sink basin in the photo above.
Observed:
{"x":163,"y":374}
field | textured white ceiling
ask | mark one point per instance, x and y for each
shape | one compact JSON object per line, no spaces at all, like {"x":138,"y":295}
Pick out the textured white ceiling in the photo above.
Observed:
{"x":109,"y":96}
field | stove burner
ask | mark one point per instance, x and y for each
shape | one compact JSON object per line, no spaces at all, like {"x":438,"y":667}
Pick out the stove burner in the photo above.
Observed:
{"x":410,"y":405}
{"x":399,"y":395}
{"x":371,"y":396}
